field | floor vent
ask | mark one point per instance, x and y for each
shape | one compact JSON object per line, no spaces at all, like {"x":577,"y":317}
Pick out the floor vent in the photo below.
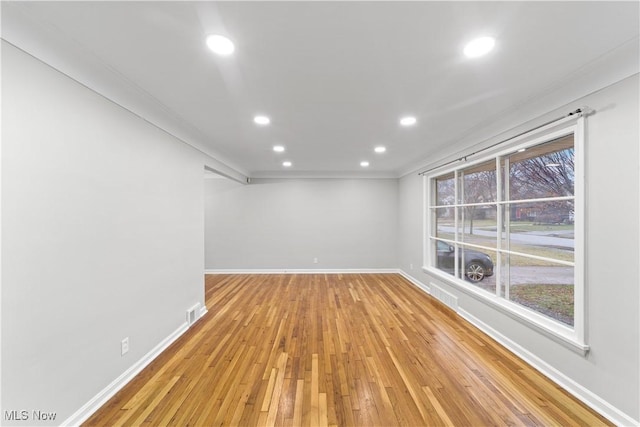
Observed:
{"x":192,"y":314}
{"x":445,"y":297}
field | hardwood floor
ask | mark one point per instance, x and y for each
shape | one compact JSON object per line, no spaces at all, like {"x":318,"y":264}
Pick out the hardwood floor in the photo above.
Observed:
{"x":356,"y":349}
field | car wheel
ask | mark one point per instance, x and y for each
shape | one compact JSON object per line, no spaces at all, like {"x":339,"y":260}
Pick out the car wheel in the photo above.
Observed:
{"x":474,"y":271}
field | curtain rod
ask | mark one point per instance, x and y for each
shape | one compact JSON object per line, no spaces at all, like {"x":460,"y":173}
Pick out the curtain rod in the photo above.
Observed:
{"x":578,"y":112}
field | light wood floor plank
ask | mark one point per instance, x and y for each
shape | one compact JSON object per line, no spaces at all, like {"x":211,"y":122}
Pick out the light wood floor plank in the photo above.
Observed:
{"x":336,"y":350}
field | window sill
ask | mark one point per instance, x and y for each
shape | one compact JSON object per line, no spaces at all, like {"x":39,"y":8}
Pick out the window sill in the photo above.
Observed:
{"x":550,"y":328}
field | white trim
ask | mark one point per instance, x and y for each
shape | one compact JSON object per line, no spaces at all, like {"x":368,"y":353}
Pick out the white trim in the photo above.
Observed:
{"x":504,"y":251}
{"x":1,"y":240}
{"x":301,"y":271}
{"x":219,"y":173}
{"x":583,"y":394}
{"x":499,"y":202}
{"x":457,"y":190}
{"x":427,"y":220}
{"x":203,"y":311}
{"x":558,"y":332}
{"x":292,"y":174}
{"x":502,"y":214}
{"x":573,"y":338}
{"x":524,"y":255}
{"x":415,"y":281}
{"x":89,"y":408}
{"x":580,"y":230}
{"x":580,"y":392}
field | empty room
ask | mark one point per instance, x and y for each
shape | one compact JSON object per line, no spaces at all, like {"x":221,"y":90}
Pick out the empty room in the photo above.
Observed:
{"x":318,"y":213}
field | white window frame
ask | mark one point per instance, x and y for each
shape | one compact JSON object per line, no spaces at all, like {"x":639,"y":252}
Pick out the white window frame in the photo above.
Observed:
{"x":572,"y":338}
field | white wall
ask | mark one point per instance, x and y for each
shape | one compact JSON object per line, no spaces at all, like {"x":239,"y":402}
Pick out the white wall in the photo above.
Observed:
{"x":611,"y":370}
{"x":285,"y":224}
{"x":102,"y":238}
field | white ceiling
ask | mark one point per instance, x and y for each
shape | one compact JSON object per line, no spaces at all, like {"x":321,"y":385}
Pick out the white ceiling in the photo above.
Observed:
{"x":335,"y":77}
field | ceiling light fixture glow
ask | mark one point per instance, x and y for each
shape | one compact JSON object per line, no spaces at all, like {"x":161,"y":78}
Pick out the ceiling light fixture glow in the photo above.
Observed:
{"x":380,"y":149}
{"x":262,"y":120}
{"x":364,"y":164}
{"x":408,"y":121}
{"x":278,"y":148}
{"x":220,"y":44}
{"x":480,"y":46}
{"x":286,"y":164}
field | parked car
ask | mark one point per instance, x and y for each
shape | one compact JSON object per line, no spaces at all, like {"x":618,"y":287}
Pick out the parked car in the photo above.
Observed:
{"x":478,"y":265}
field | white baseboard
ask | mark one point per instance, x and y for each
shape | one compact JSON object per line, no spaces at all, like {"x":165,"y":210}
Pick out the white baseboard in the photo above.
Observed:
{"x":303,"y":271}
{"x":88,"y":409}
{"x":583,"y":394}
{"x":203,"y":311}
{"x":580,"y":392}
{"x":415,"y":281}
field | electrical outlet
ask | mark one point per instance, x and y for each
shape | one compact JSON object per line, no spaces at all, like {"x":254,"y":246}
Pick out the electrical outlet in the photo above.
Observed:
{"x":315,"y":260}
{"x":410,"y":266}
{"x":124,"y":346}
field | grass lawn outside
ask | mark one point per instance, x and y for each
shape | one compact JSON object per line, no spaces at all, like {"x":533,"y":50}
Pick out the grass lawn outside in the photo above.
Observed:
{"x":555,"y":301}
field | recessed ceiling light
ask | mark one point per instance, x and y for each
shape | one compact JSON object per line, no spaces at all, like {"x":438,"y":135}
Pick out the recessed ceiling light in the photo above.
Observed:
{"x":522,"y":150}
{"x":220,"y":44}
{"x":380,"y":149}
{"x":408,"y":121}
{"x":364,"y":164}
{"x":262,"y":120}
{"x":278,"y":148}
{"x":286,"y":164}
{"x":480,"y":46}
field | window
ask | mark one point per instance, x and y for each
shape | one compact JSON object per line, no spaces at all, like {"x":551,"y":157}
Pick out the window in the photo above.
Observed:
{"x":504,"y":228}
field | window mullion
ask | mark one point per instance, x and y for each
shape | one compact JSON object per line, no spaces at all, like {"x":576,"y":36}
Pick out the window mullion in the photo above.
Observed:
{"x":498,"y":266}
{"x":542,"y":185}
{"x":463,"y":211}
{"x":456,"y":263}
{"x":507,"y":226}
{"x":579,"y":244}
